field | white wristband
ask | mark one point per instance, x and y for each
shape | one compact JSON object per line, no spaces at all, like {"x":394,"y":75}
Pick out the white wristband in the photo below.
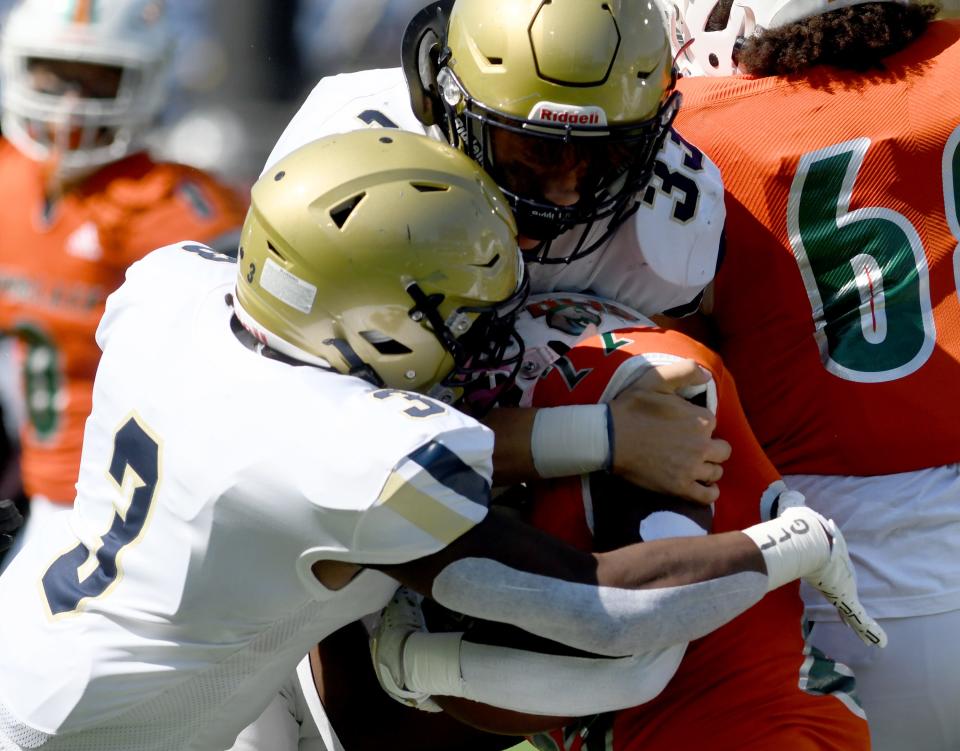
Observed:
{"x":573,"y":440}
{"x":793,"y":545}
{"x":431,"y":663}
{"x":441,"y":664}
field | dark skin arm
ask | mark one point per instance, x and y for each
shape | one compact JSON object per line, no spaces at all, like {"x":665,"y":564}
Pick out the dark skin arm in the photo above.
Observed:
{"x":662,"y":442}
{"x":500,"y":537}
{"x":648,"y":565}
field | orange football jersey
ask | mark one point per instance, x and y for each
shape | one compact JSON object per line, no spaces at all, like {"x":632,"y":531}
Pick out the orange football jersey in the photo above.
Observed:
{"x":58,"y":263}
{"x":836,"y":305}
{"x":752,"y":685}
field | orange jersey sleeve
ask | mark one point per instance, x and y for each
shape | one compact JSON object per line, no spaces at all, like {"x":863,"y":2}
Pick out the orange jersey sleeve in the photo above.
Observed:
{"x":58,"y":263}
{"x":837,"y":305}
{"x":753,"y":684}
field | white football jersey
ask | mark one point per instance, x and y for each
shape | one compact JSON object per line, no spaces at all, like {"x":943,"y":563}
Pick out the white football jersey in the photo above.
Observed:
{"x":167,"y":609}
{"x":658,"y":261}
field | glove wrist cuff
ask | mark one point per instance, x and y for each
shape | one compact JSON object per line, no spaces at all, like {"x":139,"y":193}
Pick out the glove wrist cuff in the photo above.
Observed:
{"x":793,"y":545}
{"x":431,"y":664}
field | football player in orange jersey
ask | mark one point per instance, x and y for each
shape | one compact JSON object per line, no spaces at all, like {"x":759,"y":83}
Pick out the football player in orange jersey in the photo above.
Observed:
{"x":752,"y":685}
{"x":81,"y":199}
{"x":837,"y":306}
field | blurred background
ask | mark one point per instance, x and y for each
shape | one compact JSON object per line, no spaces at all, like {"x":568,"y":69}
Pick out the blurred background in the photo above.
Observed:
{"x":239,"y":88}
{"x":241,"y":69}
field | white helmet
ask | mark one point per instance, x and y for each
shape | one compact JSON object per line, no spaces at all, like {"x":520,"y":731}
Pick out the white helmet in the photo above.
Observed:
{"x":710,"y":53}
{"x":83,"y":133}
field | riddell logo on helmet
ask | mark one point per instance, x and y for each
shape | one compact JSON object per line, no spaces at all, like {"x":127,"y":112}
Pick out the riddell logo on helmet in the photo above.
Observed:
{"x":566,"y":114}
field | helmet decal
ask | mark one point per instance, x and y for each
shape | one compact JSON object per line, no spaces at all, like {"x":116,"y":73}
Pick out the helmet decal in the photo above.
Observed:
{"x":287,"y":287}
{"x":567,"y":114}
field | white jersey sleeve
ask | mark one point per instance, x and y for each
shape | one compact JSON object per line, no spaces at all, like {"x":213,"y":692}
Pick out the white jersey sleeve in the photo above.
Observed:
{"x":409,"y":492}
{"x":350,"y":101}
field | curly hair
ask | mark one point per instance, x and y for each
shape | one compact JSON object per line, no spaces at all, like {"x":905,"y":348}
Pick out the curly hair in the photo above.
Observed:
{"x":855,"y":38}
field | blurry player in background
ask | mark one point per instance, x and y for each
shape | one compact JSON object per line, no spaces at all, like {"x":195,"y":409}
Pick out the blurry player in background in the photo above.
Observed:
{"x":837,"y":305}
{"x":80,"y":199}
{"x":376,"y":272}
{"x":568,"y":106}
{"x":753,"y":685}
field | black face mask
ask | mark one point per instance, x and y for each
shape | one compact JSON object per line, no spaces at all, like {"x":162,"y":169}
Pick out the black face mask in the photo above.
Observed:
{"x":491,"y":343}
{"x":604,"y":166}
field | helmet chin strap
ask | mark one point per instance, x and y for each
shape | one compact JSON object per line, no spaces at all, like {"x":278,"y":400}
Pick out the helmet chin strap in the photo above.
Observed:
{"x":357,"y":367}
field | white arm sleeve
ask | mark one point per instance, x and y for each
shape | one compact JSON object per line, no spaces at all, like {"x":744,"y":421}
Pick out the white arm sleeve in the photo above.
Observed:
{"x":534,"y":682}
{"x":600,"y":620}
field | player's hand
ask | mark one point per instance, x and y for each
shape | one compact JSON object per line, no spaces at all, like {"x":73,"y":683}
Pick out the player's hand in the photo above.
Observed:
{"x":837,"y":581}
{"x":663,"y":442}
{"x":10,"y":522}
{"x":401,"y":617}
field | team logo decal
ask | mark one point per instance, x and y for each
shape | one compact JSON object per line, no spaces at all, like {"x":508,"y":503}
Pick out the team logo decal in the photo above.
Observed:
{"x":547,"y":305}
{"x":572,"y":319}
{"x":552,"y":113}
{"x":612,"y":342}
{"x":569,"y":373}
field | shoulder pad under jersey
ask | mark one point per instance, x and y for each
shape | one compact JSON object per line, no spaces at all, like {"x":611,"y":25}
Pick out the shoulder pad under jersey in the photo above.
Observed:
{"x":679,"y":223}
{"x":171,"y":274}
{"x":350,"y":101}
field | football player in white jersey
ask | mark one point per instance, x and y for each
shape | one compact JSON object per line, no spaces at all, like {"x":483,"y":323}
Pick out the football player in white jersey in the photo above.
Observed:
{"x":265,"y":460}
{"x":568,"y":105}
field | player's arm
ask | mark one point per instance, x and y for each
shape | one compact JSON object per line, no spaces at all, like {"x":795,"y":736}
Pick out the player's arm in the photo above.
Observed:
{"x":650,"y":436}
{"x":429,"y":528}
{"x":641,"y":600}
{"x":628,"y":601}
{"x":499,"y":678}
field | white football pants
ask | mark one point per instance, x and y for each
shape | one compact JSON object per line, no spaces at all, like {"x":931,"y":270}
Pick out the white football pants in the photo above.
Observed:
{"x":911,"y":689}
{"x":294,"y":721}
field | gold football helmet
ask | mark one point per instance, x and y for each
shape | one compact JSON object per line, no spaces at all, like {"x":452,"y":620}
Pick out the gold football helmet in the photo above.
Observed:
{"x":540,"y":92}
{"x":383,"y":254}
